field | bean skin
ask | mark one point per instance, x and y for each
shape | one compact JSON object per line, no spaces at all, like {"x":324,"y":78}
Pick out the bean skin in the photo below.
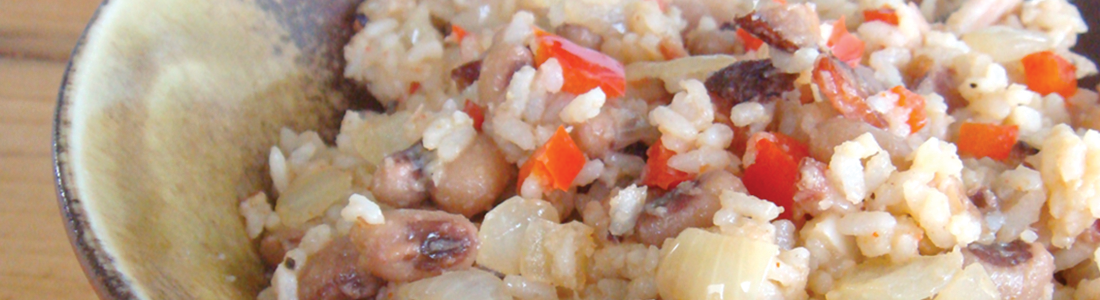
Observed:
{"x":473,"y":182}
{"x":332,"y":274}
{"x":400,"y":180}
{"x":414,"y":244}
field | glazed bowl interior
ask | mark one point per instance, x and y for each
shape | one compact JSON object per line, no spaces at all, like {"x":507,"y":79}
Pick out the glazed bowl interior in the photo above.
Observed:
{"x":164,"y":121}
{"x":165,"y":116}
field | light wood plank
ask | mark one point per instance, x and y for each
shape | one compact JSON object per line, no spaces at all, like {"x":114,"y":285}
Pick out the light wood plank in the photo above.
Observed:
{"x":37,"y":260}
{"x":44,"y":29}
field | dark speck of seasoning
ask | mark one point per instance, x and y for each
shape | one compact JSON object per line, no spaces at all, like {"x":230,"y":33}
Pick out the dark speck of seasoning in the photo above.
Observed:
{"x":973,"y":85}
{"x":290,"y":263}
{"x":727,"y":26}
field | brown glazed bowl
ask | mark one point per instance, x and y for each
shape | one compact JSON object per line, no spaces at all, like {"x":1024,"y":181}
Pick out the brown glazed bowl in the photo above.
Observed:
{"x":163,"y":122}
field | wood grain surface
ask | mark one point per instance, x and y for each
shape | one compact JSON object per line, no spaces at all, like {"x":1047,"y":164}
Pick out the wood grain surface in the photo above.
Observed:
{"x":36,"y":260}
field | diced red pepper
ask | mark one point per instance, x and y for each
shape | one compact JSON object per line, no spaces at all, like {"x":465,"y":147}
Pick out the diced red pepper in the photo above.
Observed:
{"x":413,"y":87}
{"x":657,"y":173}
{"x":773,"y":175}
{"x":555,"y":163}
{"x":583,"y":69}
{"x":458,"y":33}
{"x":886,"y":15}
{"x":476,"y":113}
{"x":752,"y":43}
{"x":844,"y":45}
{"x":1047,"y":73}
{"x":987,"y":140}
{"x":915,"y":103}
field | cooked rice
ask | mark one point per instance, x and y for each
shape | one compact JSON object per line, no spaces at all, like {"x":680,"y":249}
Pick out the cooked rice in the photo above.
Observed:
{"x":855,"y":192}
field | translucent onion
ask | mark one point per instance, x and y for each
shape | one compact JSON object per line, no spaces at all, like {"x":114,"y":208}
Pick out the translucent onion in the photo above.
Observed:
{"x":705,"y":265}
{"x":309,"y":195}
{"x":972,"y":283}
{"x":920,"y":278}
{"x":673,"y":71}
{"x":468,"y":284}
{"x":1006,"y":44}
{"x":557,"y":253}
{"x":503,"y":229}
{"x":378,"y":135}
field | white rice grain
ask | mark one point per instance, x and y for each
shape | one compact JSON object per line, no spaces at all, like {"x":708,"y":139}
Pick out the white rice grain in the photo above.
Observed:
{"x":584,"y":107}
{"x":625,"y":208}
{"x":255,"y":211}
{"x":361,"y":207}
{"x":280,"y":176}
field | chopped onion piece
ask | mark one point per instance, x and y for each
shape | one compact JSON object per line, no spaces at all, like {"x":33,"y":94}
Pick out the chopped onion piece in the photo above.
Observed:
{"x":309,"y":195}
{"x":557,"y":253}
{"x":503,"y":229}
{"x":705,"y":265}
{"x":377,"y":135}
{"x":468,"y":284}
{"x":972,"y":283}
{"x":673,"y":71}
{"x":920,"y":278}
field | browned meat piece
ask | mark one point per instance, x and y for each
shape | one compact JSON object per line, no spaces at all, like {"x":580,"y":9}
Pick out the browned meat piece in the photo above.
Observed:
{"x":332,"y":274}
{"x":466,"y":74}
{"x":840,"y":84}
{"x":784,"y":27}
{"x":1019,"y":269}
{"x":275,"y":244}
{"x":580,"y":35}
{"x":414,"y":244}
{"x":666,"y":215}
{"x":501,"y":61}
{"x":751,"y":80}
{"x":473,"y":182}
{"x":400,"y":180}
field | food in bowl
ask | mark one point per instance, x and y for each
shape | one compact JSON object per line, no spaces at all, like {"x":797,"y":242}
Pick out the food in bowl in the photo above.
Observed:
{"x":677,"y":149}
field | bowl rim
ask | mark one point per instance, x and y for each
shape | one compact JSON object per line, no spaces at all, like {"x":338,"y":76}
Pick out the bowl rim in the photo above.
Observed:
{"x":98,"y":265}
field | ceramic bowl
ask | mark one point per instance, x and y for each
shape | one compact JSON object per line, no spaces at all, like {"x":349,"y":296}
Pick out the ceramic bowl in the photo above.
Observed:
{"x":164,"y":118}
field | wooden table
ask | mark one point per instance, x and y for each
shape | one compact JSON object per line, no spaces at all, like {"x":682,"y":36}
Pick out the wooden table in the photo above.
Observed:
{"x":36,"y":260}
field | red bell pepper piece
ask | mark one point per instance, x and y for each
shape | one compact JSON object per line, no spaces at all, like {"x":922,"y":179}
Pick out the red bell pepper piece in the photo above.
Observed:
{"x":774,"y":174}
{"x":915,"y":102}
{"x":1047,"y":73}
{"x":657,"y":173}
{"x":752,"y":43}
{"x":987,"y":140}
{"x":583,"y":69}
{"x":887,"y":15}
{"x":556,"y":163}
{"x":476,"y":113}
